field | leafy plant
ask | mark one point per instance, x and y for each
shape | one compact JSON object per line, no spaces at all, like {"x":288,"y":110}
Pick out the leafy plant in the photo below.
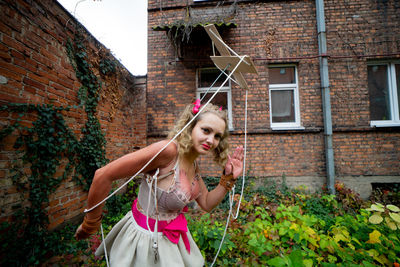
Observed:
{"x":46,"y":143}
{"x":207,"y":234}
{"x":91,"y":150}
{"x":350,"y":200}
{"x":291,"y":233}
{"x":389,"y":214}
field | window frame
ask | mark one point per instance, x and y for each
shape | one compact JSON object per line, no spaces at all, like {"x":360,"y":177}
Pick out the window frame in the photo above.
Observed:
{"x":296,"y":125}
{"x":393,"y":98}
{"x":226,"y":88}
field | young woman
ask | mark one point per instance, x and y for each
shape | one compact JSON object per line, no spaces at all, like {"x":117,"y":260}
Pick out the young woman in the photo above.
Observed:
{"x":130,"y":243}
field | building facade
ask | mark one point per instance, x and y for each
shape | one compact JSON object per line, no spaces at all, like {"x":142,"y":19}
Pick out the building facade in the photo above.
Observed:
{"x":290,"y":111}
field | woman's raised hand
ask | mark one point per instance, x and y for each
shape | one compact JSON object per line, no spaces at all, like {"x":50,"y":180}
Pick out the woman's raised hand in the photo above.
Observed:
{"x":234,"y":165}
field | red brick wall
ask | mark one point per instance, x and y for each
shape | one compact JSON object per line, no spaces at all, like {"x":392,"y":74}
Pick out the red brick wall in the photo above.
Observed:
{"x":371,"y":30}
{"x":286,"y":32}
{"x":34,"y":61}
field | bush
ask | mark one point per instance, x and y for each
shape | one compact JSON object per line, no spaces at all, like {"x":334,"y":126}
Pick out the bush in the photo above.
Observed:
{"x":289,"y":228}
{"x":279,"y":227}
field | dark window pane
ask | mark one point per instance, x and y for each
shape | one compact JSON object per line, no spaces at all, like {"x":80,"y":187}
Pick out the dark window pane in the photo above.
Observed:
{"x":208,"y":76}
{"x":379,"y":97}
{"x":221,"y":99}
{"x":282,"y":106}
{"x":282,"y":75}
{"x":397,"y":67}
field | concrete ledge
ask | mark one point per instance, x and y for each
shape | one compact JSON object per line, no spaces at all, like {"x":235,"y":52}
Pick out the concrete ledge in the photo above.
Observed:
{"x":363,"y":184}
{"x":360,"y":184}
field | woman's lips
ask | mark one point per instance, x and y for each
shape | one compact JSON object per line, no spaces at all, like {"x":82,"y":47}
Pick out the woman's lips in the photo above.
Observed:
{"x":206,"y":147}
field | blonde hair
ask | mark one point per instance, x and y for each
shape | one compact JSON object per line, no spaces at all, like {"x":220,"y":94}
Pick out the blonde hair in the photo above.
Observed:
{"x":185,"y":138}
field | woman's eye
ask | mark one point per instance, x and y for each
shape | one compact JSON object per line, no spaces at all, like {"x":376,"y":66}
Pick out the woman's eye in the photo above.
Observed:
{"x":218,"y":137}
{"x":205,"y":130}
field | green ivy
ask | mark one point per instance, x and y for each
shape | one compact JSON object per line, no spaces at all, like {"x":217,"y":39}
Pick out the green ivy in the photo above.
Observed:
{"x":45,"y":146}
{"x":92,"y":146}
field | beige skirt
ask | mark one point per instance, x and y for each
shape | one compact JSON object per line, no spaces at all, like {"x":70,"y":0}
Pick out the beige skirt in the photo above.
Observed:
{"x":128,"y":244}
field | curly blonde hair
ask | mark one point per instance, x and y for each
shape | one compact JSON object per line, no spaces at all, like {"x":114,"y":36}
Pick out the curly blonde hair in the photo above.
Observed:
{"x":185,"y":138}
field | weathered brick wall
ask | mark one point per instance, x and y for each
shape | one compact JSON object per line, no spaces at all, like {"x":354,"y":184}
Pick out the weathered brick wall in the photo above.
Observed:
{"x":286,"y":32}
{"x":358,"y":31}
{"x":34,"y":62}
{"x":365,"y":154}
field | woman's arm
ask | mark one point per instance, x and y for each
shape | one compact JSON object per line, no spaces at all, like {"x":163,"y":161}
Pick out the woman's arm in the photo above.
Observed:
{"x":209,"y":200}
{"x":233,"y":168}
{"x":123,"y":167}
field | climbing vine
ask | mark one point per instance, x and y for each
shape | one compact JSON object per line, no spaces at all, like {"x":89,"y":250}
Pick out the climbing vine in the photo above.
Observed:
{"x":45,"y":144}
{"x":91,"y":150}
{"x":49,"y":147}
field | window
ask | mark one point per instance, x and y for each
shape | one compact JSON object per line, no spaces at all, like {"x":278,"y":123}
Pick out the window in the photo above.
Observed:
{"x":384,"y":93}
{"x":284,"y":97}
{"x":205,"y":78}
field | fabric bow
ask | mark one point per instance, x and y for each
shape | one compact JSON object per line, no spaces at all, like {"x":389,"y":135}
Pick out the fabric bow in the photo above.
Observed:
{"x":177,"y":228}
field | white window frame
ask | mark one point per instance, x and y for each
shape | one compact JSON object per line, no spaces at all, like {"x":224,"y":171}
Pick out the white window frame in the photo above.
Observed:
{"x":394,"y":106}
{"x":296,"y":125}
{"x":226,"y":88}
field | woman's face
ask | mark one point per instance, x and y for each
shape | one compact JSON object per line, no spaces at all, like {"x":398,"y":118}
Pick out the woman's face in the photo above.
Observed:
{"x":207,"y":133}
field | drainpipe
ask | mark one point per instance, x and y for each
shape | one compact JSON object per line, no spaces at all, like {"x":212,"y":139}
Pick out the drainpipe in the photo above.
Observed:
{"x":326,"y":101}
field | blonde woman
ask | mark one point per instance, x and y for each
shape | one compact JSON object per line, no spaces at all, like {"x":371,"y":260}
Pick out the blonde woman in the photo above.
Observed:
{"x":132,"y":241}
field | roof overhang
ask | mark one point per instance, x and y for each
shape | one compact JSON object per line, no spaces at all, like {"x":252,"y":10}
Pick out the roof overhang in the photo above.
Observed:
{"x":199,"y":25}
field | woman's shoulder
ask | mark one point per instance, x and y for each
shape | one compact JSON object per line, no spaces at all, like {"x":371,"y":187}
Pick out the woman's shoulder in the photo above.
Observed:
{"x":169,"y":153}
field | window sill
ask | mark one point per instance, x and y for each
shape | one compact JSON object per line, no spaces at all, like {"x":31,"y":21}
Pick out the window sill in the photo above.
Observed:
{"x":384,"y":124}
{"x":287,"y":128}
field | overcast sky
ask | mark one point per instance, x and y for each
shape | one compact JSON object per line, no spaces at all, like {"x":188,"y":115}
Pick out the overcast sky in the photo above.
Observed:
{"x":121,"y":25}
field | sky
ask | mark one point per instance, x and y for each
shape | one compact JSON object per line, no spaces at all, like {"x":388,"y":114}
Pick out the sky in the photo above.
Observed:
{"x":121,"y":25}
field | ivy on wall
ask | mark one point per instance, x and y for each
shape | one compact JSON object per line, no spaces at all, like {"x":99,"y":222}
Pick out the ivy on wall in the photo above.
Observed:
{"x":44,"y":145}
{"x":91,"y":150}
{"x":47,"y":146}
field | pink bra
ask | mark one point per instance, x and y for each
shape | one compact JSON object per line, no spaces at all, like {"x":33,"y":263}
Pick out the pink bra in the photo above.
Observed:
{"x":170,"y":201}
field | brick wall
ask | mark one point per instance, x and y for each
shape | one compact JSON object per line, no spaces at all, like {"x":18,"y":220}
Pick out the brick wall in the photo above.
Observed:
{"x":35,"y":69}
{"x":285,"y":32}
{"x":369,"y":29}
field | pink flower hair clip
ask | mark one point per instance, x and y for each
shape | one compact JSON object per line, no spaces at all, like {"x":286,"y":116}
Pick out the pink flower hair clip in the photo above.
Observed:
{"x":196,"y":107}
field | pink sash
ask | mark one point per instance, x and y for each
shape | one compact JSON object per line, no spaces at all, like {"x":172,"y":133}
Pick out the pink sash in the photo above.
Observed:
{"x":172,"y":230}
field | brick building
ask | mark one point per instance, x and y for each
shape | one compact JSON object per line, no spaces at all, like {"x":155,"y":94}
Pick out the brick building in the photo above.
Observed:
{"x":35,"y":69}
{"x":363,"y":44}
{"x":288,"y":123}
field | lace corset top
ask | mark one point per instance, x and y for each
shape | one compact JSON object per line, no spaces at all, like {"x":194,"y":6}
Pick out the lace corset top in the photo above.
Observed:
{"x":171,"y":201}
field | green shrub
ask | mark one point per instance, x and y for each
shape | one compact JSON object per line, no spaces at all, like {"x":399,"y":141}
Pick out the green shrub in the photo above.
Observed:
{"x":268,"y":234}
{"x":296,"y":229}
{"x":208,"y":233}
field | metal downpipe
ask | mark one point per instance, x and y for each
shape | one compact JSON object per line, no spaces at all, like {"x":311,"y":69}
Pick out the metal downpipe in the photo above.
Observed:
{"x":326,"y":101}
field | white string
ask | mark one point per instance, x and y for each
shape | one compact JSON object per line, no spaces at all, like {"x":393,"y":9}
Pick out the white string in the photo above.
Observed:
{"x":213,"y":48}
{"x":155,"y":232}
{"x":209,"y":88}
{"x":76,"y":5}
{"x":244,"y":158}
{"x":104,"y":245}
{"x":226,"y":227}
{"x":232,"y":193}
{"x":162,"y":149}
{"x":150,"y":185}
{"x":223,"y":72}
